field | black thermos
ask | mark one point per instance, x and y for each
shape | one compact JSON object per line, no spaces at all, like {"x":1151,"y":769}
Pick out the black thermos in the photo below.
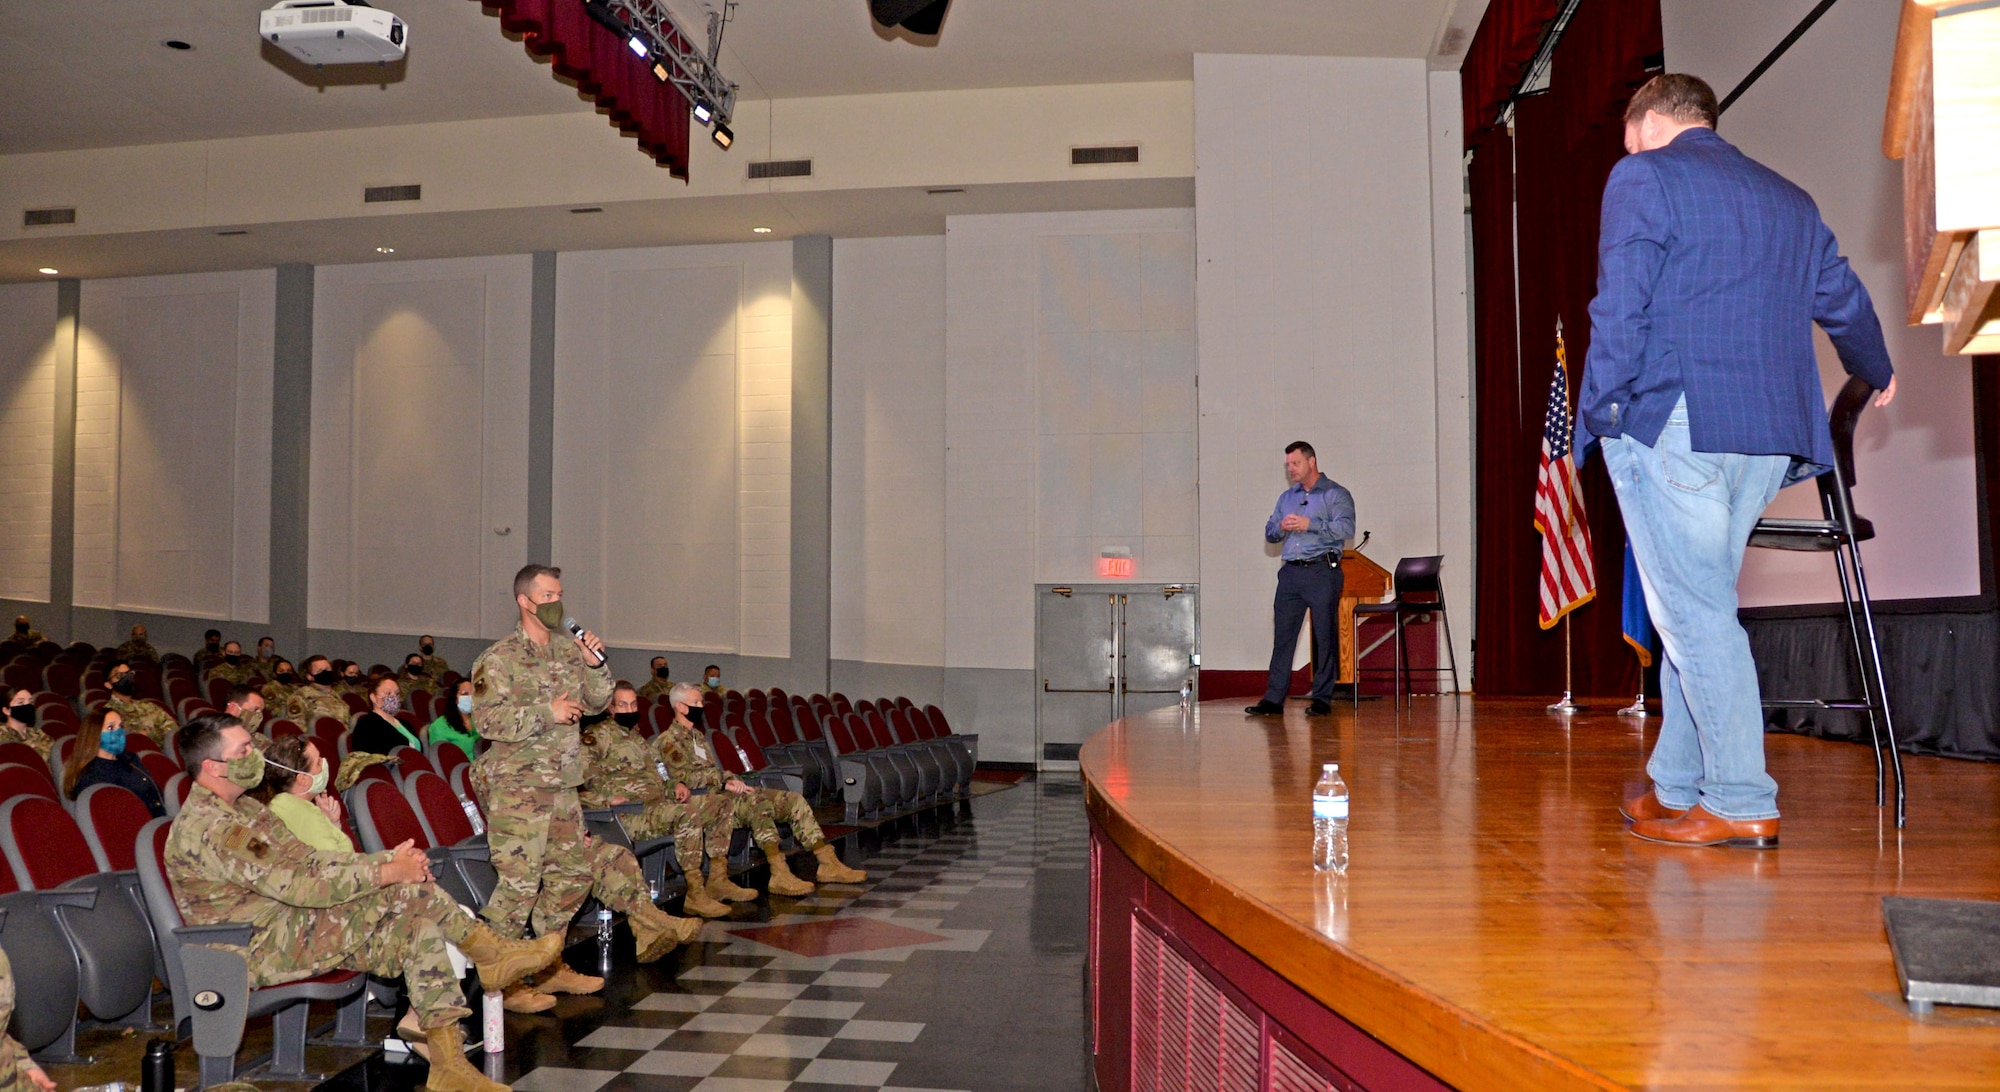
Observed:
{"x":157,"y":1072}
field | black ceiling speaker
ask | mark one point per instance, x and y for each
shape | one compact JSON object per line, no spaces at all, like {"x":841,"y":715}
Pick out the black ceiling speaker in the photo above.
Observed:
{"x":922,"y":17}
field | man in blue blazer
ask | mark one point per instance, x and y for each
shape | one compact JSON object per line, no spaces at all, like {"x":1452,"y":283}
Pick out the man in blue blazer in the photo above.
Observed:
{"x":1702,"y":385}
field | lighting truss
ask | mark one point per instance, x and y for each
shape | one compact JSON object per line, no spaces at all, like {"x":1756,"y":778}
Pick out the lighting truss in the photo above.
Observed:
{"x":676,"y":59}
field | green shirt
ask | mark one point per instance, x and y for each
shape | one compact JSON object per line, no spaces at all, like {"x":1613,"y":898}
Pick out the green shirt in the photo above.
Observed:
{"x":441,"y":731}
{"x":309,"y":824}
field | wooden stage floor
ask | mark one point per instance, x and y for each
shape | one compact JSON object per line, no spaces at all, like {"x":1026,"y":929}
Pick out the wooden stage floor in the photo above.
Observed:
{"x":1499,"y":927}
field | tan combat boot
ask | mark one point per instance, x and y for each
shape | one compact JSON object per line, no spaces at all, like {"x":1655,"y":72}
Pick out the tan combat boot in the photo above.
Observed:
{"x":782,"y":880}
{"x":502,"y":963}
{"x":720,"y":886}
{"x":565,"y":979}
{"x":831,"y":870}
{"x":450,"y":1072}
{"x":697,"y":900}
{"x":413,"y":1033}
{"x":656,"y":932}
{"x":524,"y":998}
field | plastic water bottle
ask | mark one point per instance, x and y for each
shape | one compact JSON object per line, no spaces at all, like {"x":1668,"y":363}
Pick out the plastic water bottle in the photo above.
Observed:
{"x":1187,"y":692}
{"x":472,"y":814}
{"x":1330,"y":821}
{"x":493,"y":1022}
{"x":603,"y":941}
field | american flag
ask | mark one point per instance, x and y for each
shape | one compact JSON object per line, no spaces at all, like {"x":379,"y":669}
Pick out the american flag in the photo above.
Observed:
{"x":1568,"y":581}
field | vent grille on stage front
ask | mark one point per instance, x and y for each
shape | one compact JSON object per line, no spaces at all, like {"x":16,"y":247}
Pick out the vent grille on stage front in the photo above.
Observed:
{"x":1187,"y":1032}
{"x":1107,"y":153}
{"x":782,"y":168}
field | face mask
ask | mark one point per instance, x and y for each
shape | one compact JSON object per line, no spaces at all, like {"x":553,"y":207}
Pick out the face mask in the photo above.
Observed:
{"x":627,"y":720}
{"x":392,"y":704}
{"x":25,"y":714}
{"x":289,"y":678}
{"x":125,"y":685}
{"x":212,"y":644}
{"x":550,"y":614}
{"x":234,"y":658}
{"x":318,"y":780}
{"x":351,"y":679}
{"x":246,"y":772}
{"x":414,"y":669}
{"x":427,"y":648}
{"x":695,"y":715}
{"x":112,"y":740}
{"x":714,"y":681}
{"x":252,"y":719}
{"x":660,"y":672}
{"x":324,"y":678}
{"x":465,"y":704}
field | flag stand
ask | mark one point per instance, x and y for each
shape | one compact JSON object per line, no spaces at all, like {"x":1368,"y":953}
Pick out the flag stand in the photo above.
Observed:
{"x":1565,"y":705}
{"x":1638,"y":706}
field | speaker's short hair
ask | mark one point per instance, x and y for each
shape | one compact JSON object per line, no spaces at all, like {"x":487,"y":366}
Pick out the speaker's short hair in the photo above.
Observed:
{"x":524,"y":581}
{"x":1301,"y":446}
{"x":1684,"y":98}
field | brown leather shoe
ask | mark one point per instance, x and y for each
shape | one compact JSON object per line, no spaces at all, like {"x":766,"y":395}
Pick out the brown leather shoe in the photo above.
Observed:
{"x":1648,"y":806}
{"x":1698,"y":828}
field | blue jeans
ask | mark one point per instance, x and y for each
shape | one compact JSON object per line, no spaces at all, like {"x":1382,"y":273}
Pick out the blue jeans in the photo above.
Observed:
{"x":1688,"y":514}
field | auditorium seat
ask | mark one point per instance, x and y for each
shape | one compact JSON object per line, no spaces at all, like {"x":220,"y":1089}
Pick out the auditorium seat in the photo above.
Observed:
{"x":218,"y":691}
{"x":58,"y":719}
{"x":17,"y":780}
{"x":195,"y":963}
{"x":22,"y":674}
{"x":933,"y":756}
{"x":873,"y":736}
{"x":760,"y":770}
{"x":159,"y":767}
{"x":175,"y":792}
{"x":409,"y":760}
{"x":16,"y":753}
{"x":460,"y":779}
{"x":445,"y":756}
{"x":356,"y":704}
{"x":111,"y":818}
{"x":280,"y":728}
{"x":459,"y":857}
{"x":968,"y":744}
{"x":44,"y":1017}
{"x":62,"y":677}
{"x":113,"y":947}
{"x":862,"y":779}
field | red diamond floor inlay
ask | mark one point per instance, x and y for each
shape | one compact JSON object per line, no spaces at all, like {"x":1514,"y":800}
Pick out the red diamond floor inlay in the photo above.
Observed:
{"x":838,"y":936}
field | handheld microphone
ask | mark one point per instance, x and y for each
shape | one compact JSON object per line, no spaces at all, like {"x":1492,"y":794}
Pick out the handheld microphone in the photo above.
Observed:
{"x":576,"y":631}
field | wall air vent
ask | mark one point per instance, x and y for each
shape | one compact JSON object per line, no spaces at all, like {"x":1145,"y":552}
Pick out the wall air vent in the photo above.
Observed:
{"x":1103,"y":153}
{"x":782,"y":168}
{"x":47,"y":217}
{"x":392,"y":193}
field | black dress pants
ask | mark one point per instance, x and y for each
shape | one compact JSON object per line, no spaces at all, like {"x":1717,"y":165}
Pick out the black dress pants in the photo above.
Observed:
{"x":1301,"y":589}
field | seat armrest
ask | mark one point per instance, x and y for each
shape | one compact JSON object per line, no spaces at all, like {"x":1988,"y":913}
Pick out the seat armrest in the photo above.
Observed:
{"x":789,"y":778}
{"x":611,"y":814}
{"x":82,"y":898}
{"x":223,"y":933}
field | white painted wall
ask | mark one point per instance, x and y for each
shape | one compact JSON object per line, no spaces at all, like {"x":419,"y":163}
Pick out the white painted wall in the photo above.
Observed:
{"x":27,"y":437}
{"x":1318,"y":318}
{"x":889,"y":450}
{"x":1068,"y":384}
{"x":173,"y":445}
{"x":1815,"y":118}
{"x":673,"y":445}
{"x":419,"y":446}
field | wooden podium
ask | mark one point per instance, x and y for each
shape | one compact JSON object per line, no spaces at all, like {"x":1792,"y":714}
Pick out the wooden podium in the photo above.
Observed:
{"x":1366,"y":582}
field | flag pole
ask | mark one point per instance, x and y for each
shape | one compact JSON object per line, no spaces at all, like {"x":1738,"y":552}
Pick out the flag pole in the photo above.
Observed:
{"x":1565,"y":705}
{"x":1638,"y":706}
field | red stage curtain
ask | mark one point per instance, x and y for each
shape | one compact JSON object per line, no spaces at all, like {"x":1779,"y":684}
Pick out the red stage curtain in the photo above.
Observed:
{"x":605,"y":68}
{"x":1495,"y":62}
{"x":1535,"y":203}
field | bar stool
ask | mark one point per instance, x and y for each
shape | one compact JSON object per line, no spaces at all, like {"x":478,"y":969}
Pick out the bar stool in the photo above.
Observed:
{"x":1419,"y":591}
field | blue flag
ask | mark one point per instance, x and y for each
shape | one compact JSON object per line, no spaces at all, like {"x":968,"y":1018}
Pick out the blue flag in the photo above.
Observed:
{"x":1637,"y":623}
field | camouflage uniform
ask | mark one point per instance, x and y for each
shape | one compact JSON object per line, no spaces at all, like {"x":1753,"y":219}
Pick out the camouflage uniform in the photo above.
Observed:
{"x":308,"y":702}
{"x":137,"y":650}
{"x":33,"y":737}
{"x":435,"y":667}
{"x":656,"y":688}
{"x":14,"y":1060}
{"x":204,"y":659}
{"x":144,"y":716}
{"x":243,"y":674}
{"x":410,"y":683}
{"x":690,"y":763}
{"x":621,"y":765}
{"x":528,"y":781}
{"x":314,"y":911}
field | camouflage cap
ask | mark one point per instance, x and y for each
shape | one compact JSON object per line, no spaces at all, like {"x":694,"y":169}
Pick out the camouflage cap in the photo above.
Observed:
{"x":352,"y":766}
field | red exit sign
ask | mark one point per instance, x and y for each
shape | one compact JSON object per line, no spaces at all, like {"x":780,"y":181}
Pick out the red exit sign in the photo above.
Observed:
{"x":1115,"y":568}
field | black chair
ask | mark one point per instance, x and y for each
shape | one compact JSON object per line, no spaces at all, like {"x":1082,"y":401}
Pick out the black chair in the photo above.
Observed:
{"x":1841,"y":532}
{"x":1419,"y":594}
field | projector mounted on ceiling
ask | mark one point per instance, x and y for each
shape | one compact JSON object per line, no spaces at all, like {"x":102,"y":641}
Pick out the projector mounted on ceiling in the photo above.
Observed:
{"x":334,"y":31}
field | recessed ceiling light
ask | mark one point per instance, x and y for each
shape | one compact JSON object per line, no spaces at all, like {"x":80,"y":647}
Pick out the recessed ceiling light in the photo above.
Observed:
{"x":761,"y":230}
{"x":50,"y":271}
{"x":385,"y":250}
{"x":176,"y":43}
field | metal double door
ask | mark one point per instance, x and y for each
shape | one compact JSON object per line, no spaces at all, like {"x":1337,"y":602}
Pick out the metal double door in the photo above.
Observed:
{"x":1104,"y":651}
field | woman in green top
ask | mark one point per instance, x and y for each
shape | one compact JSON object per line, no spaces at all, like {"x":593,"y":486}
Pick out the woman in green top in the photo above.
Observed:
{"x":295,"y":790}
{"x":454,"y":723}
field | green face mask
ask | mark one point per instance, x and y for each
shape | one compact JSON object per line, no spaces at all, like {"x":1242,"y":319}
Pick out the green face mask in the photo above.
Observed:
{"x":246,"y":772}
{"x":550,"y":614}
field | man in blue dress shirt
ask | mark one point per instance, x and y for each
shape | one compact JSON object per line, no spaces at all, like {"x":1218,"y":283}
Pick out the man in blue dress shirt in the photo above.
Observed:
{"x":1314,"y":519}
{"x":1703,"y":386}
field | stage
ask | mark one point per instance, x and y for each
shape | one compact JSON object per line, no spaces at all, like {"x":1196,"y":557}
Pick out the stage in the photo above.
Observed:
{"x":1498,"y":928}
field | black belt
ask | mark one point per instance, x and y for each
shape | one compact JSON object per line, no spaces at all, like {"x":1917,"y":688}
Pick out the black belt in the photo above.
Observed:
{"x":1327,"y":559}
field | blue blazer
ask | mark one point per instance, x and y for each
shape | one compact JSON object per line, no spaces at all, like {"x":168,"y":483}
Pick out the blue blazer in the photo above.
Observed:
{"x":1711,"y":270}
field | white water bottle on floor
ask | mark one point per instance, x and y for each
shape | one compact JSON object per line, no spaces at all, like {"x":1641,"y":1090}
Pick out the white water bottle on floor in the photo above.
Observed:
{"x":1330,"y":821}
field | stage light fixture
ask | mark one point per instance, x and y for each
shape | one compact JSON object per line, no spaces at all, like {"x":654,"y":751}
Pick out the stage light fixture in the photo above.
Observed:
{"x":761,"y":230}
{"x":638,"y":46}
{"x":661,"y":73}
{"x":385,"y":250}
{"x":702,"y":113}
{"x":50,"y":271}
{"x":722,"y":136}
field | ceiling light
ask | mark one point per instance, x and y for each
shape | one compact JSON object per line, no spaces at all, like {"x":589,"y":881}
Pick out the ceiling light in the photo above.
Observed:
{"x":722,"y":136}
{"x":50,"y":271}
{"x":661,"y":73}
{"x":639,"y":46}
{"x":702,"y":112}
{"x":385,"y":250}
{"x":758,"y":230}
{"x":176,"y":43}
